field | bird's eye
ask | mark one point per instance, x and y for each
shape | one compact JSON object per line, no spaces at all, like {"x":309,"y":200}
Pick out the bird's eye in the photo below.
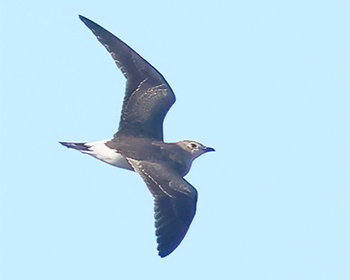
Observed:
{"x":193,"y":145}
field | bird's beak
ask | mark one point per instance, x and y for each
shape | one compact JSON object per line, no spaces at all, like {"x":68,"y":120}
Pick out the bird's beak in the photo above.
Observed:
{"x":209,"y":149}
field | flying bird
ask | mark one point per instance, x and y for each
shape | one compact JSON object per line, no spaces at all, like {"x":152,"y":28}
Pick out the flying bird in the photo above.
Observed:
{"x":138,"y":144}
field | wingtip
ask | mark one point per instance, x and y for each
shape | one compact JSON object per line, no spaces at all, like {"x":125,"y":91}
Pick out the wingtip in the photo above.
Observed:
{"x":164,"y":254}
{"x":93,"y":26}
{"x":82,"y":17}
{"x":88,"y":22}
{"x":164,"y":249}
{"x":85,"y":20}
{"x":161,"y":255}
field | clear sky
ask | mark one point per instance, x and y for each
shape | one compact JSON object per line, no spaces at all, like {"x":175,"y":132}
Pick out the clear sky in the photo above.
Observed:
{"x":266,"y":83}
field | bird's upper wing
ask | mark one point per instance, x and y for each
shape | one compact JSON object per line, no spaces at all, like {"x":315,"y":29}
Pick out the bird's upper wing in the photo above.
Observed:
{"x":175,"y":203}
{"x":148,"y":97}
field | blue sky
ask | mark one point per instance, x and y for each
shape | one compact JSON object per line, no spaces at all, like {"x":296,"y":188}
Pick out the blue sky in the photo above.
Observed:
{"x":266,"y":83}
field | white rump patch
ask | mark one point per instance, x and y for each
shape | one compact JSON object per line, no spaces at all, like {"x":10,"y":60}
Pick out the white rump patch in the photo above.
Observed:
{"x":100,"y":151}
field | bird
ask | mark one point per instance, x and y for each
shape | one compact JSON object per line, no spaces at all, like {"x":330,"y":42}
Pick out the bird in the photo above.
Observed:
{"x":138,"y":144}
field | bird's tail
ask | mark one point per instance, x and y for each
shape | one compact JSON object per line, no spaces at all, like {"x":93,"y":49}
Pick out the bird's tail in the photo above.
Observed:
{"x":100,"y":151}
{"x":77,"y":146}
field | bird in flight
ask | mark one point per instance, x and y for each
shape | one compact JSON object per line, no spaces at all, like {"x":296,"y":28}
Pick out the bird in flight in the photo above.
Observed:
{"x":138,"y":144}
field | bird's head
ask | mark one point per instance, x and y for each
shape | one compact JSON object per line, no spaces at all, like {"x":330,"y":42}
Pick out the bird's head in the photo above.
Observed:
{"x":194,"y":148}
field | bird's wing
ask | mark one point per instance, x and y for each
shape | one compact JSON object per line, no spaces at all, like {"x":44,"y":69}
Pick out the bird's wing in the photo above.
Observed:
{"x":175,"y":203}
{"x":148,"y":97}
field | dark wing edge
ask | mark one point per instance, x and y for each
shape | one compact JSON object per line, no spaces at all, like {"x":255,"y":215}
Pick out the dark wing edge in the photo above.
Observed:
{"x":175,"y":203}
{"x":148,"y":96}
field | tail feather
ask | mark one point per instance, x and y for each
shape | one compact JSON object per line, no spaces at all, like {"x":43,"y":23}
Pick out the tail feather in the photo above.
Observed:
{"x":76,"y":146}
